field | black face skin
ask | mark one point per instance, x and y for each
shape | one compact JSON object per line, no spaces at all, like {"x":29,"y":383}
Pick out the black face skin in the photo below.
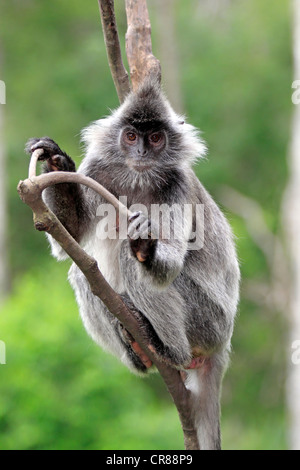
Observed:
{"x":142,"y":148}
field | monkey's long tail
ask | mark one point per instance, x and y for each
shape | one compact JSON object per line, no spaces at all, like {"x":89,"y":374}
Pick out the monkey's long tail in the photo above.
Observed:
{"x":205,"y":384}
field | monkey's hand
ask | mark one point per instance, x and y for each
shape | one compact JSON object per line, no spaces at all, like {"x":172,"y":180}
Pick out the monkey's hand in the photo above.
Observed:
{"x":55,"y":158}
{"x":142,"y":236}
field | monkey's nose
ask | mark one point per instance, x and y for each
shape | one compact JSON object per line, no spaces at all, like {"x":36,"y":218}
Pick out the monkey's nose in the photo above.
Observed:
{"x":142,"y":151}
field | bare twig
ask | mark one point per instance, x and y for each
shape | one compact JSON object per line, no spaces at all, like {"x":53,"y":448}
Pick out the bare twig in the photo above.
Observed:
{"x":142,"y":62}
{"x":33,"y":161}
{"x":30,"y":192}
{"x":111,"y":38}
{"x":48,"y":179}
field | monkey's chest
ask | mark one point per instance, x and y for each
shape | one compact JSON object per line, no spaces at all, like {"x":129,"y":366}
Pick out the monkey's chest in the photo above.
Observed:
{"x":107,"y":254}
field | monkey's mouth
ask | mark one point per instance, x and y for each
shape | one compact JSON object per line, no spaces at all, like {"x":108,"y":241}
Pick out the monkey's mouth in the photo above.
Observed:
{"x":140,"y":165}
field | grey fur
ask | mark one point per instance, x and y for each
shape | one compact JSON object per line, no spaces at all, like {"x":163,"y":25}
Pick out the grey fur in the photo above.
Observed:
{"x":188,"y":298}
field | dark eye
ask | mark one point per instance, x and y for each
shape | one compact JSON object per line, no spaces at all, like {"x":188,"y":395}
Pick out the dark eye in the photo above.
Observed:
{"x":155,"y":138}
{"x":131,"y":136}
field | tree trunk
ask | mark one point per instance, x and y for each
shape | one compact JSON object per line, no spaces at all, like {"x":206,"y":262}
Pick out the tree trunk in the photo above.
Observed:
{"x":291,"y":222}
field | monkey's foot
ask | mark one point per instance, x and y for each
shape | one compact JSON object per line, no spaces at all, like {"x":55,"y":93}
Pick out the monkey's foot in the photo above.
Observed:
{"x":198,"y":362}
{"x":140,"y":353}
{"x":135,"y":347}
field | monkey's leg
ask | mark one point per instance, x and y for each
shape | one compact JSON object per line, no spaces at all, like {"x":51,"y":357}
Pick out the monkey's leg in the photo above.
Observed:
{"x":101,"y":325}
{"x":205,"y":386}
{"x":163,"y":311}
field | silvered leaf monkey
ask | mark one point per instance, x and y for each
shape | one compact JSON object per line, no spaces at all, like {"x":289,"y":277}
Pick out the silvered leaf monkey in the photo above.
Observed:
{"x":185,"y":298}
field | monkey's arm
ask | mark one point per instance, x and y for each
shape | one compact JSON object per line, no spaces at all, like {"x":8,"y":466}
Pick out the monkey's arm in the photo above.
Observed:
{"x":66,"y":200}
{"x":159,"y":250}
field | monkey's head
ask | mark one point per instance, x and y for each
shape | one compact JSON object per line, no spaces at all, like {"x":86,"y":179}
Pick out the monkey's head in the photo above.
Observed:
{"x":144,"y":138}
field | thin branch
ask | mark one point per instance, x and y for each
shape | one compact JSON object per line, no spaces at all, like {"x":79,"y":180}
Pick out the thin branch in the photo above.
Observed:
{"x":141,"y":60}
{"x":48,"y":179}
{"x":111,"y":38}
{"x":33,"y":162}
{"x":30,"y":192}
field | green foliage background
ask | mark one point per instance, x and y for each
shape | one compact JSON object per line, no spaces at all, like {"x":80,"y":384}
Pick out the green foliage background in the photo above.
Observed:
{"x":58,"y":390}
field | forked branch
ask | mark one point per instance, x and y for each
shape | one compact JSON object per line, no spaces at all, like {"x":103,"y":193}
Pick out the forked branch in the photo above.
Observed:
{"x":30,"y":192}
{"x":141,"y":60}
{"x":142,"y":64}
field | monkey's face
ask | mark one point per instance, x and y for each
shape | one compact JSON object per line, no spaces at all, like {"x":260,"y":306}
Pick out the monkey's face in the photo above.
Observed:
{"x":142,"y":149}
{"x":143,"y":142}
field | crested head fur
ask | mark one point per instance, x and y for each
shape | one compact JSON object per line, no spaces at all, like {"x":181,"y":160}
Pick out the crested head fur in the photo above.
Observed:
{"x":146,"y":109}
